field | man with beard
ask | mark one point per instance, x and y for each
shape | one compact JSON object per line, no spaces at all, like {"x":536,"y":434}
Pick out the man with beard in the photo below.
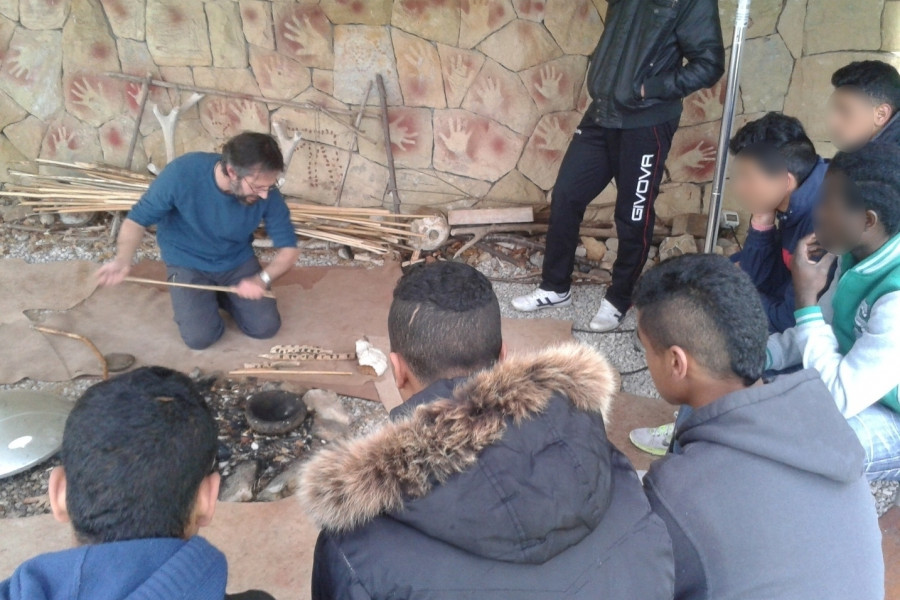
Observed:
{"x":206,"y":207}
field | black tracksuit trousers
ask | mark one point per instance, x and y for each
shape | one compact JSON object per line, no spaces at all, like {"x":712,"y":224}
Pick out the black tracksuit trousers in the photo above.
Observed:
{"x":596,"y":155}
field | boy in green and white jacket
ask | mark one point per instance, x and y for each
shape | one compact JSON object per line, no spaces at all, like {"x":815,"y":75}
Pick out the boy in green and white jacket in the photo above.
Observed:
{"x":851,"y":335}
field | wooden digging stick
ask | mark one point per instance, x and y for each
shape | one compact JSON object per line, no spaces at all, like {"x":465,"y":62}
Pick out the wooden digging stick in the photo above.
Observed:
{"x":102,"y":359}
{"x":386,"y":126}
{"x":193,"y":286}
{"x":286,"y":372}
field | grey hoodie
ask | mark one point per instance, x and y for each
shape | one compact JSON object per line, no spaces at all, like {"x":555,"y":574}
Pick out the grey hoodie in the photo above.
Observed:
{"x":766,"y":499}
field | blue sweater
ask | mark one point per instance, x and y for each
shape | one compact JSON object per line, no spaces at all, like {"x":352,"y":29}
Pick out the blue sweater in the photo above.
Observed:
{"x":152,"y":569}
{"x":767,"y":254}
{"x":201,"y":227}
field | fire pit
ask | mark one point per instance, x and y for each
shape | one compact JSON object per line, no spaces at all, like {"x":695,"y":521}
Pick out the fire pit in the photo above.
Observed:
{"x":275,"y":412}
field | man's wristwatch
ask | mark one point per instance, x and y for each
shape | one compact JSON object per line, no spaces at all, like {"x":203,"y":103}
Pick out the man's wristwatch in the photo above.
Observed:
{"x":266,"y":279}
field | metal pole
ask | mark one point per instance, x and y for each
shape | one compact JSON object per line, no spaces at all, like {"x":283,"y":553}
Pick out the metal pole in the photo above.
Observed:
{"x":734,"y":70}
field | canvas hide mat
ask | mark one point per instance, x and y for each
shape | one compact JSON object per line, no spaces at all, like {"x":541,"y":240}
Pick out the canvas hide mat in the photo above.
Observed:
{"x":330,"y":307}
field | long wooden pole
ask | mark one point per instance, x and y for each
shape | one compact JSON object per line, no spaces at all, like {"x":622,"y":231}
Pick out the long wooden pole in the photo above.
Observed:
{"x":386,"y":125}
{"x":192,"y":286}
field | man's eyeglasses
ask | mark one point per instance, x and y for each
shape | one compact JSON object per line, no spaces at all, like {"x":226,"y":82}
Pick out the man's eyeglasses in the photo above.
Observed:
{"x":260,"y":190}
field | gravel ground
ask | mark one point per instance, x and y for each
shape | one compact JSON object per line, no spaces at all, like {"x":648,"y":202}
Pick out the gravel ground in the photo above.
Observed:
{"x":25,"y":493}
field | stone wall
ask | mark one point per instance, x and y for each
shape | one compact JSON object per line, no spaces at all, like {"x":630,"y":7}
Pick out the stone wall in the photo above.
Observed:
{"x":484,"y":94}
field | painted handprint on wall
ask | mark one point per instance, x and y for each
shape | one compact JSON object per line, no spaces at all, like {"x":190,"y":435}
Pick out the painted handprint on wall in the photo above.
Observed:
{"x":227,"y":117}
{"x":459,"y":69}
{"x":480,"y":18}
{"x":705,"y":105}
{"x":304,"y":33}
{"x":419,"y":71}
{"x":545,"y":150}
{"x":693,"y":154}
{"x":474,"y":146}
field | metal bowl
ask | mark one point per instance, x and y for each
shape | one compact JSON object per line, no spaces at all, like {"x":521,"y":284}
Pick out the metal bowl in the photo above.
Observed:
{"x":275,"y":412}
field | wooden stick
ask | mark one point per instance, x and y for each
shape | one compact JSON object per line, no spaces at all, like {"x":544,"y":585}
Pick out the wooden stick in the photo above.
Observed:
{"x":385,"y":124}
{"x":83,"y":340}
{"x":354,"y":142}
{"x":193,"y":286}
{"x":286,"y":372}
{"x":333,"y":113}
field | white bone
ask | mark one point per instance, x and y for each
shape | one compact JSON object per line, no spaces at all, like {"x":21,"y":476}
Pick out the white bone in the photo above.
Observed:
{"x":369,"y":356}
{"x":167,"y":123}
{"x":287,"y":144}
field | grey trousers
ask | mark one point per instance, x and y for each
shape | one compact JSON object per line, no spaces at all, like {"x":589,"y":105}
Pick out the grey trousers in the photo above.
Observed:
{"x":197,"y":311}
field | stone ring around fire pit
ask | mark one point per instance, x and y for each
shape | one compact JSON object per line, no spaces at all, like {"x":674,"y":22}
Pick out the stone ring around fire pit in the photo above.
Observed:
{"x":275,"y":412}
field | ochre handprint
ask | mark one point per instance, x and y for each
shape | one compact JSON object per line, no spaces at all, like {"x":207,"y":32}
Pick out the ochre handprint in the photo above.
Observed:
{"x":457,"y":139}
{"x":21,"y":65}
{"x":551,"y":134}
{"x":301,"y":32}
{"x":458,"y":73}
{"x":402,"y":135}
{"x":416,"y":58}
{"x":62,"y":139}
{"x":547,"y":84}
{"x":84,"y":94}
{"x":706,"y":102}
{"x":479,"y":13}
{"x":490,"y":93}
{"x":698,"y":156}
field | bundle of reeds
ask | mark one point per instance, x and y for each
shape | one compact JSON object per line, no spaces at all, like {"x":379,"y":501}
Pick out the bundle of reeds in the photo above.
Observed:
{"x":85,"y":188}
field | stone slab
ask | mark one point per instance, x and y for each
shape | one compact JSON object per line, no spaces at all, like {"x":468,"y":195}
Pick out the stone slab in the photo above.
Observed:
{"x":520,"y":45}
{"x":303,"y":32}
{"x":31,"y":69}
{"x":474,"y":146}
{"x":177,"y":33}
{"x":419,"y":71}
{"x":574,"y":24}
{"x":362,"y":52}
{"x":545,"y":150}
{"x":256,"y":23}
{"x":500,"y":95}
{"x":480,"y":18}
{"x":436,"y":20}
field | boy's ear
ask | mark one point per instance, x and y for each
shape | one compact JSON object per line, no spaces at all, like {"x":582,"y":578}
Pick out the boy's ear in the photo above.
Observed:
{"x":56,"y":490}
{"x":400,"y":369}
{"x":503,"y":351}
{"x":871,"y":220}
{"x":207,"y":497}
{"x":678,"y":362}
{"x":883,"y":114}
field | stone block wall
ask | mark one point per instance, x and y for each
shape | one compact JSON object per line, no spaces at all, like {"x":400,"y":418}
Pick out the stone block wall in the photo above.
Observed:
{"x":484,"y":94}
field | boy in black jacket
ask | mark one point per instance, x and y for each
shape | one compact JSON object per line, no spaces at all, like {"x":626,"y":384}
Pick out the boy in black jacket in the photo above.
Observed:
{"x":637,"y":79}
{"x":864,"y":105}
{"x":764,"y":497}
{"x":494,"y":480}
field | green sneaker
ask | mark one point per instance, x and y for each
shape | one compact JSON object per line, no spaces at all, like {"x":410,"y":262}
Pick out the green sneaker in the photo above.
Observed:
{"x":653,"y":440}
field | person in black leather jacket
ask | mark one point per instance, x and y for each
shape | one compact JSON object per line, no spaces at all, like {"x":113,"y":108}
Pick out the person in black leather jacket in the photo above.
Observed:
{"x":651,"y":55}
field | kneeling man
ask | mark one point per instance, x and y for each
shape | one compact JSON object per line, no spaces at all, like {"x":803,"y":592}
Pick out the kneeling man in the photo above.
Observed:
{"x":206,"y":208}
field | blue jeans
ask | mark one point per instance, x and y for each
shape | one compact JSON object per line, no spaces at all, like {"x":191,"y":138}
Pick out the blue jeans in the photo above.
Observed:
{"x":878,"y":430}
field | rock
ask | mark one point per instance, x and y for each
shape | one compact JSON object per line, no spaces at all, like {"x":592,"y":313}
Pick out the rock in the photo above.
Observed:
{"x":240,"y":485}
{"x":580,"y":251}
{"x":256,"y":22}
{"x":177,"y":33}
{"x":537,"y":259}
{"x":87,"y":41}
{"x":554,"y":86}
{"x":835,"y":25}
{"x":26,"y":135}
{"x":480,"y":18}
{"x":575,"y":25}
{"x":323,"y":81}
{"x":500,"y":95}
{"x":678,"y":198}
{"x":9,"y":213}
{"x":278,"y":76}
{"x":371,"y":360}
{"x":47,"y":219}
{"x":43,"y":14}
{"x":330,"y":430}
{"x":365,"y":183}
{"x":368,"y":12}
{"x":790,"y":25}
{"x":126,"y":17}
{"x":30,"y":71}
{"x":545,"y":150}
{"x":362,"y":51}
{"x":435,"y":188}
{"x":303,"y":32}
{"x":115,"y":138}
{"x":520,"y":45}
{"x":596,"y":249}
{"x":437,"y":21}
{"x":515,"y":188}
{"x":284,"y":484}
{"x":677,"y":246}
{"x":226,"y":38}
{"x":771,"y":64}
{"x":890,"y":27}
{"x":474,"y":146}
{"x":609,"y":260}
{"x":612,"y":245}
{"x":10,"y":9}
{"x":764,"y":18}
{"x":419,"y":71}
{"x":459,"y":69}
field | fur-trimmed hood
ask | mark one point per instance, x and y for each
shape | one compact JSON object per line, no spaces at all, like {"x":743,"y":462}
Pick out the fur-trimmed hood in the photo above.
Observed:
{"x":513,"y":465}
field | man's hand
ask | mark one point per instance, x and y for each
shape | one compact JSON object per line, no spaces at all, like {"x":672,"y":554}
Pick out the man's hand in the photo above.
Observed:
{"x":809,"y":269}
{"x":113,"y":273}
{"x":251,"y":288}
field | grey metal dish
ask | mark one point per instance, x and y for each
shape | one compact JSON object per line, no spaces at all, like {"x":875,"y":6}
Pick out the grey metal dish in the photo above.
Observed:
{"x":31,"y":428}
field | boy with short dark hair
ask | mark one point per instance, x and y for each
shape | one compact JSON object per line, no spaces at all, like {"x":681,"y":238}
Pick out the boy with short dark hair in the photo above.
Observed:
{"x":864,"y":105}
{"x":776,"y":175}
{"x":495,"y":478}
{"x":764,"y":497}
{"x":850,"y":333}
{"x":138,"y":480}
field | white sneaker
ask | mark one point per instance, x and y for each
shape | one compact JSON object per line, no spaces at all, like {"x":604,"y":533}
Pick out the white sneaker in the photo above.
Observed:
{"x":653,"y":440}
{"x":607,"y":318}
{"x":539,"y":299}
